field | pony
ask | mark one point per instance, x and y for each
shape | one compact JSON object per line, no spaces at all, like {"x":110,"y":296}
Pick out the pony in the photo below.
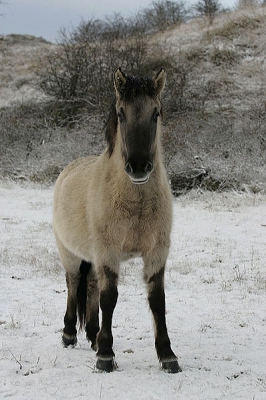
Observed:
{"x":110,"y":208}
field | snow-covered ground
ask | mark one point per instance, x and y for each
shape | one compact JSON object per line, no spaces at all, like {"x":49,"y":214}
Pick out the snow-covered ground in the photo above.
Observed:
{"x":216,"y":306}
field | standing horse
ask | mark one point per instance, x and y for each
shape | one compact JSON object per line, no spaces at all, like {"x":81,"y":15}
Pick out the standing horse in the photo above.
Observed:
{"x":113,"y":207}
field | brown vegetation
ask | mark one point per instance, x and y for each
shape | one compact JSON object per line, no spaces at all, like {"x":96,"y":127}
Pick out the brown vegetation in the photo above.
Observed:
{"x":214,"y":133}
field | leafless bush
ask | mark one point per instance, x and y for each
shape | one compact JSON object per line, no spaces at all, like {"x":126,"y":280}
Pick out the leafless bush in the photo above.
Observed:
{"x":79,"y":71}
{"x":208,"y":9}
{"x":208,"y":143}
{"x":164,"y":13}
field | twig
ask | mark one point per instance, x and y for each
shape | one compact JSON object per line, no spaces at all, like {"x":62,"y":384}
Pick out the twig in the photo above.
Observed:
{"x":20,"y":365}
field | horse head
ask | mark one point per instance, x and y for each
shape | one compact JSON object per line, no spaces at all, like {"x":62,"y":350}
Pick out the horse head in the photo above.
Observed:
{"x":138,"y":112}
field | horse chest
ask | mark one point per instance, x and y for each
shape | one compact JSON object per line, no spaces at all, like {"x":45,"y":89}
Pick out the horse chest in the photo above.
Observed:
{"x":136,"y":212}
{"x":132,"y":223}
{"x":138,"y":224}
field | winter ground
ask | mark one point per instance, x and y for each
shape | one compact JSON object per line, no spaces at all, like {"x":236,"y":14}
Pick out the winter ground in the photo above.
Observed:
{"x":216,"y":306}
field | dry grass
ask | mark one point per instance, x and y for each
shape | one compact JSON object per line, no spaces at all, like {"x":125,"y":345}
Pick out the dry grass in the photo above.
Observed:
{"x":215,"y":105}
{"x":238,"y":24}
{"x":18,"y":69}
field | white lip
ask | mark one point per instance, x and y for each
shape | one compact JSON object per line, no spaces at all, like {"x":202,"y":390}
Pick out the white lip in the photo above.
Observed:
{"x":140,"y":181}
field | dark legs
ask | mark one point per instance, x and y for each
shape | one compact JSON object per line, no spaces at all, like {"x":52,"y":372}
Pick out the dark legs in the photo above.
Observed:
{"x":108,"y":298}
{"x":106,"y":290}
{"x":156,"y":297}
{"x":92,"y":308}
{"x":83,"y":296}
{"x":70,"y":332}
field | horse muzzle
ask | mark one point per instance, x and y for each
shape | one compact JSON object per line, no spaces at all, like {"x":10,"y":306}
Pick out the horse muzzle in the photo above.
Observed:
{"x":139,"y":173}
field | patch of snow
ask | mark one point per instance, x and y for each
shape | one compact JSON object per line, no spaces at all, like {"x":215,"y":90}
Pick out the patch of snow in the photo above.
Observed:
{"x":215,"y":294}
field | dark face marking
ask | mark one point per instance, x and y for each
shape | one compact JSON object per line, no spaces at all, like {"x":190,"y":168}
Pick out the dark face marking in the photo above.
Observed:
{"x":134,"y":116}
{"x":137,"y":123}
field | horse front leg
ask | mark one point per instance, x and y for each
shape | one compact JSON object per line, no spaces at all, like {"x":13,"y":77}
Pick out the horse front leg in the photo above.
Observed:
{"x":156,"y":296}
{"x":108,"y":280}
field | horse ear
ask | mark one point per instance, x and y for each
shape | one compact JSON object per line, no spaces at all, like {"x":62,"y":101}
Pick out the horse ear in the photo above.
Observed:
{"x":159,"y":81}
{"x":119,"y":80}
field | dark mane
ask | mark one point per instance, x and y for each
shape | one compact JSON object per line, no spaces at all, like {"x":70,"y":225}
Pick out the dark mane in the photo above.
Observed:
{"x":111,"y":128}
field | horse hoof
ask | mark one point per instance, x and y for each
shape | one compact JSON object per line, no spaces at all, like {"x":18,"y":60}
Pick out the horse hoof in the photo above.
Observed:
{"x":105,"y":365}
{"x":172,"y":367}
{"x":69,"y":341}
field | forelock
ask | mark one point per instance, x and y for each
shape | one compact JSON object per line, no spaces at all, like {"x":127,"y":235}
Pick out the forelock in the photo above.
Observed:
{"x":136,"y":87}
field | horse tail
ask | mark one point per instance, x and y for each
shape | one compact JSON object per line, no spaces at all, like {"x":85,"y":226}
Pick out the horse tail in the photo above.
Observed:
{"x":84,"y":268}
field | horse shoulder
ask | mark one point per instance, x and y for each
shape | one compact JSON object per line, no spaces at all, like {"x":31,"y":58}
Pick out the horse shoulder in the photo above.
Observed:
{"x":71,"y":185}
{"x":70,"y":204}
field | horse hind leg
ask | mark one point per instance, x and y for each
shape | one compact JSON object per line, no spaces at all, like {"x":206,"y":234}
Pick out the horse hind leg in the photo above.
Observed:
{"x":69,"y":337}
{"x":71,"y":264}
{"x":83,"y":300}
{"x":88,"y":302}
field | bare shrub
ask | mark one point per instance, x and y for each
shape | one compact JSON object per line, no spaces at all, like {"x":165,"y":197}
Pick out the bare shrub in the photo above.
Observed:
{"x":214,"y":133}
{"x":208,"y":9}
{"x":164,"y":13}
{"x":78,"y":72}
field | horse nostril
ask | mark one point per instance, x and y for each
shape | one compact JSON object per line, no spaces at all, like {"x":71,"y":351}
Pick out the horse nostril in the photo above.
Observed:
{"x":128,"y":168}
{"x":149,"y":167}
{"x":138,"y":169}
